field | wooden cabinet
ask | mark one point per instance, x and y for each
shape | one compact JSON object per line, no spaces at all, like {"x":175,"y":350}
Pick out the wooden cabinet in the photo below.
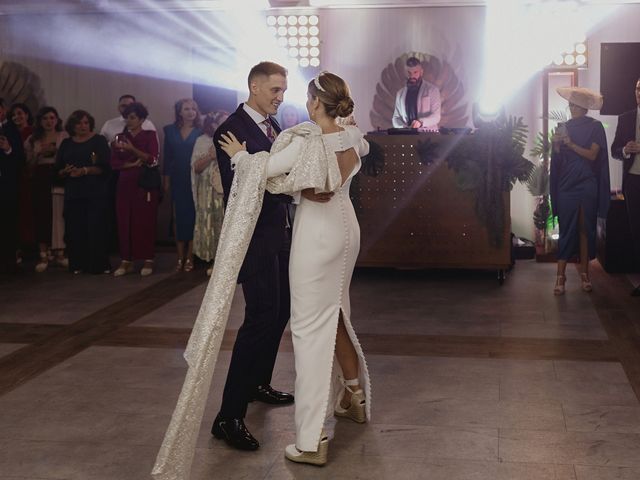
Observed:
{"x":412,"y":215}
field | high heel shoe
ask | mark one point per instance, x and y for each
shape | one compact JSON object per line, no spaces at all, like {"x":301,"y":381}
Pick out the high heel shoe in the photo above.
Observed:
{"x":586,"y":282}
{"x":147,"y":268}
{"x":559,"y":288}
{"x":179,"y":266}
{"x":318,"y":458}
{"x":124,"y":268}
{"x":188,"y":265}
{"x":356,"y":410}
{"x":43,"y":263}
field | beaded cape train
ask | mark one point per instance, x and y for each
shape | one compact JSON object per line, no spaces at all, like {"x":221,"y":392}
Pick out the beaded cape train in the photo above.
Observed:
{"x":316,"y":167}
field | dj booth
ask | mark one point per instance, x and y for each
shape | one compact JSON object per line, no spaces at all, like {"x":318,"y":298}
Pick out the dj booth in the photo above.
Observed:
{"x":412,"y":214}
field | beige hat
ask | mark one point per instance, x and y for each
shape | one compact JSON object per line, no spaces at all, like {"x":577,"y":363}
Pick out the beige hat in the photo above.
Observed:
{"x":583,"y":97}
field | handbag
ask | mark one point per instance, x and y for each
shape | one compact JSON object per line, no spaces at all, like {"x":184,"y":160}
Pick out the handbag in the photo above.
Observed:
{"x":150,"y":179}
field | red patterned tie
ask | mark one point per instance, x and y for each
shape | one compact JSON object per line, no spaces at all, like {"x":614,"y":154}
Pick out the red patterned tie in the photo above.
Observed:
{"x":270,"y":131}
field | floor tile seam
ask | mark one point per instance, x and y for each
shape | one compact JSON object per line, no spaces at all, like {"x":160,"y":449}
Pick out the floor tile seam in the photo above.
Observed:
{"x":56,"y":339}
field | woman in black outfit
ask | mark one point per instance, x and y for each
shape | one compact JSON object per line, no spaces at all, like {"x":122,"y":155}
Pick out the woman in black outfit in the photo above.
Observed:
{"x":83,"y":161}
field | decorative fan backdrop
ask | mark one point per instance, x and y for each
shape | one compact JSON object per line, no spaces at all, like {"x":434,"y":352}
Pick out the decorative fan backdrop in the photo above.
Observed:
{"x":18,"y":84}
{"x":440,"y":73}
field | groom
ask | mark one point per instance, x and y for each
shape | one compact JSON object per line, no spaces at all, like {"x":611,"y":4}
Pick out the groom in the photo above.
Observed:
{"x":264,"y":274}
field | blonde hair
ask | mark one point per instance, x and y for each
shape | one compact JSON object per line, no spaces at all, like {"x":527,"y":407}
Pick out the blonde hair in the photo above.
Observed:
{"x":333,"y":93}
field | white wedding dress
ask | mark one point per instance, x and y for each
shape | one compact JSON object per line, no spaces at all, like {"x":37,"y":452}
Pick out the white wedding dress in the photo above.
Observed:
{"x":325,"y":245}
{"x":324,"y":249}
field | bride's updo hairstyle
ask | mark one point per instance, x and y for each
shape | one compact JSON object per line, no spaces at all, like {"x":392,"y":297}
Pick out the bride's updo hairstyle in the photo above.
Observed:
{"x":334,"y":94}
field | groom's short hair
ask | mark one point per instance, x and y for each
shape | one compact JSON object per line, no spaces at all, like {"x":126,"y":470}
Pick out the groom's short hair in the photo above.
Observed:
{"x":266,"y":69}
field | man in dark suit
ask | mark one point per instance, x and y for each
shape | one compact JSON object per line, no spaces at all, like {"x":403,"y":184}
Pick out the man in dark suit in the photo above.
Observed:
{"x":11,"y":162}
{"x":264,"y":275}
{"x":626,"y":147}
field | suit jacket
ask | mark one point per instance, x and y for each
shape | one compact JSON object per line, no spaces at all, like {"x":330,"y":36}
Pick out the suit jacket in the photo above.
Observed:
{"x":428,"y":107}
{"x":12,"y":163}
{"x":270,"y":234}
{"x":625,"y":132}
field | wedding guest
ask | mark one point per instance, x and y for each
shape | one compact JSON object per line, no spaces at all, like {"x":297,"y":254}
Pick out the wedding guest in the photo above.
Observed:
{"x":11,"y":158}
{"x":136,"y":207}
{"x":179,"y":140}
{"x":118,"y":124}
{"x":20,"y":116}
{"x":83,"y":162}
{"x":579,"y":182}
{"x":290,"y":117}
{"x":208,"y":195}
{"x":46,"y":189}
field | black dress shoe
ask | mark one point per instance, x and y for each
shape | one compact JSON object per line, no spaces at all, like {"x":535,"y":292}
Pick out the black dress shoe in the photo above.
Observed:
{"x":636,"y":292}
{"x":266,"y":394}
{"x":234,"y":432}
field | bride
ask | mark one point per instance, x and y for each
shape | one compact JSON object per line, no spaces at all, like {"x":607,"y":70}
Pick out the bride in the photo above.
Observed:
{"x":324,"y":248}
{"x":312,"y":158}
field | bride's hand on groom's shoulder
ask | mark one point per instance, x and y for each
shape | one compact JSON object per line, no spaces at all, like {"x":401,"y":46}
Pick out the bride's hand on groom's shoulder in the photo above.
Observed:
{"x":230,"y":144}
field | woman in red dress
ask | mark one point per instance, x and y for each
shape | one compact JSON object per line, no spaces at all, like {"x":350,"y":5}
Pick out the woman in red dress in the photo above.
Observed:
{"x":134,"y":150}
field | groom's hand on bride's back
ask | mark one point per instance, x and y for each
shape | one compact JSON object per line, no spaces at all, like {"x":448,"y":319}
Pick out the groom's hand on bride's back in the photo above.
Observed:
{"x":321,"y":197}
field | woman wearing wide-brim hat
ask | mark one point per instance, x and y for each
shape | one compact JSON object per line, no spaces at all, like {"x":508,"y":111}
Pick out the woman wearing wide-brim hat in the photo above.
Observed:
{"x":579,"y":187}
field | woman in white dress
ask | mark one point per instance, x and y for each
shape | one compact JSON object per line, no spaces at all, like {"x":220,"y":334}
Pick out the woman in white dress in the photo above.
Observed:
{"x":325,"y":245}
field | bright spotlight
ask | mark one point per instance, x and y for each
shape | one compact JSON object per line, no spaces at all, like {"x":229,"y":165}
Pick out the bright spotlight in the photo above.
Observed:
{"x":314,"y":31}
{"x":293,"y":31}
{"x":282,"y":20}
{"x":282,"y":31}
{"x":304,"y":52}
{"x":303,"y":30}
{"x":313,"y":20}
{"x":315,"y":62}
{"x":303,"y":20}
{"x":271,"y":20}
{"x":303,"y":41}
{"x":581,"y":48}
{"x":581,"y":59}
{"x":314,"y":51}
{"x":314,"y":41}
{"x":304,"y":62}
{"x":524,"y":37}
{"x":282,"y":42}
{"x":292,"y":20}
{"x":293,"y":52}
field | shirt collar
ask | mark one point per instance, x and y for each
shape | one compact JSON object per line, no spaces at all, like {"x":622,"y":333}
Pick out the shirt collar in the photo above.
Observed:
{"x":255,"y":116}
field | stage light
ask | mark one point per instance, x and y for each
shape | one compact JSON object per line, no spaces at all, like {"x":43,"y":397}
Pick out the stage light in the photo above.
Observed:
{"x":569,"y":59}
{"x":581,"y":60}
{"x":581,"y":48}
{"x":559,"y":60}
{"x":299,"y":39}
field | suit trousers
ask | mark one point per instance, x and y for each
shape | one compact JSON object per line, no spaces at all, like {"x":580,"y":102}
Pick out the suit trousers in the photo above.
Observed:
{"x":267,"y":311}
{"x":632,"y":200}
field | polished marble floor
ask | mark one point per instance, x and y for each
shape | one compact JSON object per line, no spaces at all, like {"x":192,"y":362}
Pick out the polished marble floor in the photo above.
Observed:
{"x":471,"y":380}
